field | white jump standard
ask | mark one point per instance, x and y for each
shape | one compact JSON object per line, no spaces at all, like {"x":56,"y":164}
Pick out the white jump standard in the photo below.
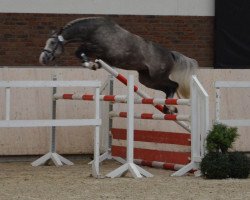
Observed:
{"x":56,"y":158}
{"x":229,"y":84}
{"x":135,"y":170}
{"x":199,"y":125}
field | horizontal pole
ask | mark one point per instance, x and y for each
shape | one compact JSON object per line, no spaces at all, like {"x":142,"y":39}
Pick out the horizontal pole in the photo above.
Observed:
{"x":153,"y":116}
{"x":232,"y":84}
{"x":156,"y":101}
{"x":49,"y":123}
{"x":91,"y":97}
{"x":35,"y":84}
{"x":123,"y":99}
{"x":235,"y":122}
{"x":160,"y":165}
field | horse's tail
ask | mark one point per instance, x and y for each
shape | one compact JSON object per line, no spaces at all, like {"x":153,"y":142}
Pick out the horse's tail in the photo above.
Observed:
{"x":184,"y":68}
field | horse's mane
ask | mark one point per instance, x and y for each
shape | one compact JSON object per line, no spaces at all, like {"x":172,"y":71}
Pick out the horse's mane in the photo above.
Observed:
{"x":74,"y":22}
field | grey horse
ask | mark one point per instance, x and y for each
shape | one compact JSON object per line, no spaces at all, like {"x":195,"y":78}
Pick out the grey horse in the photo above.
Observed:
{"x":158,"y":68}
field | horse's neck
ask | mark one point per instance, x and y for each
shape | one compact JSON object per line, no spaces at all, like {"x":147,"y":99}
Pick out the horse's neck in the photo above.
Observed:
{"x":71,"y":34}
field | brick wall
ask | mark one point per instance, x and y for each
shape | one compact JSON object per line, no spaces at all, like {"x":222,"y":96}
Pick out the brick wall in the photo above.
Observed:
{"x":22,"y":36}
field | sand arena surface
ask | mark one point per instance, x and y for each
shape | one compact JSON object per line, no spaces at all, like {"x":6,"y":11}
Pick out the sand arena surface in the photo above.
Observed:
{"x":19,"y":180}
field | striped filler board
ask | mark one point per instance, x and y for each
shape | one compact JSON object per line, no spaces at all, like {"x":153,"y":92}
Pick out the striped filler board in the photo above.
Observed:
{"x":154,"y":146}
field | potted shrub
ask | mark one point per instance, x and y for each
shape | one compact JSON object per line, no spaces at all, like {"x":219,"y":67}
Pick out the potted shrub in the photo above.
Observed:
{"x":219,"y":163}
{"x":221,"y":138}
{"x":239,"y":165}
{"x":215,"y":165}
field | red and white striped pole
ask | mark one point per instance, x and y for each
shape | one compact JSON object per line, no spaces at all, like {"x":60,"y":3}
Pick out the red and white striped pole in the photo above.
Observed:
{"x":152,"y":116}
{"x":160,"y":165}
{"x":123,"y":99}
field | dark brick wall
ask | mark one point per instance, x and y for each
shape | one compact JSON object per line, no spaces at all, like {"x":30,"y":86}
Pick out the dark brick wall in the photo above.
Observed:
{"x":22,"y":36}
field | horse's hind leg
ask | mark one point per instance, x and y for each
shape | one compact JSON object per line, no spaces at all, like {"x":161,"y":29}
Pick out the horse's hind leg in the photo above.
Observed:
{"x":169,"y":109}
{"x":170,"y":90}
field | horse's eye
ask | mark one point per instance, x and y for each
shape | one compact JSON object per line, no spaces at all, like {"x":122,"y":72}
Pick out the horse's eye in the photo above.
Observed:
{"x":52,"y":43}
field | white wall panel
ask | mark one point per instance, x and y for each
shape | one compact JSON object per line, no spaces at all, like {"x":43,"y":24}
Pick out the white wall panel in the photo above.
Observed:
{"x":122,"y":7}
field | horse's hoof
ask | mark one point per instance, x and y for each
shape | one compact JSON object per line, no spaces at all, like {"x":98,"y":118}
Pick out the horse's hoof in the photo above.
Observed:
{"x":175,"y":110}
{"x":95,"y":66}
{"x":166,"y":110}
{"x":169,"y":110}
{"x":86,"y":64}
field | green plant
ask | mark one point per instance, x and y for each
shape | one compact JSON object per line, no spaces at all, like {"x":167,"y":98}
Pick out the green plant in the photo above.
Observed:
{"x":218,"y":162}
{"x":239,"y":165}
{"x":221,"y":138}
{"x":215,"y":165}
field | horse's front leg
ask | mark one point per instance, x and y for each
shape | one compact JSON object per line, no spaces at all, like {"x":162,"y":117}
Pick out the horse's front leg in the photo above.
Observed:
{"x":86,"y":63}
{"x":89,"y":64}
{"x":169,"y":109}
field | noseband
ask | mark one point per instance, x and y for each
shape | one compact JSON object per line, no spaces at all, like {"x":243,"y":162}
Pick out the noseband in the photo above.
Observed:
{"x":59,"y":41}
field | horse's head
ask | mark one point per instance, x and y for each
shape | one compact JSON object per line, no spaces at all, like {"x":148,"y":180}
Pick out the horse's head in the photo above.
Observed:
{"x":53,"y":49}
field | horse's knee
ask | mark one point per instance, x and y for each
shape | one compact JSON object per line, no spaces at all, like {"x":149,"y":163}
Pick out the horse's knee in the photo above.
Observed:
{"x":79,"y":51}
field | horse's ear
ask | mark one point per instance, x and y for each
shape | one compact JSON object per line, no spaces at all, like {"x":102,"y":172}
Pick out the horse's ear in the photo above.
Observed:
{"x":52,"y":32}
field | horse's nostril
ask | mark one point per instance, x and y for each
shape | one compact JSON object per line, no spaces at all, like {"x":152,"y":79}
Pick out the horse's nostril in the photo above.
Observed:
{"x":43,"y":59}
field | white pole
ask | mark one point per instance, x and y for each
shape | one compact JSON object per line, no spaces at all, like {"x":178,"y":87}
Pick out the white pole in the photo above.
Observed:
{"x":217,"y":105}
{"x":7,"y":103}
{"x":130,"y":120}
{"x":135,"y":170}
{"x":95,"y":164}
{"x":53,"y":128}
{"x":195,"y":120}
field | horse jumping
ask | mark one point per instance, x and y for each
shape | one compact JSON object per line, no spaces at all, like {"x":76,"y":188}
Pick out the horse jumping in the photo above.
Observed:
{"x":158,"y":68}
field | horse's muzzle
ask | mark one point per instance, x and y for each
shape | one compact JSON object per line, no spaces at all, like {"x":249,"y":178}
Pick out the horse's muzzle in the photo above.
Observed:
{"x":44,"y":58}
